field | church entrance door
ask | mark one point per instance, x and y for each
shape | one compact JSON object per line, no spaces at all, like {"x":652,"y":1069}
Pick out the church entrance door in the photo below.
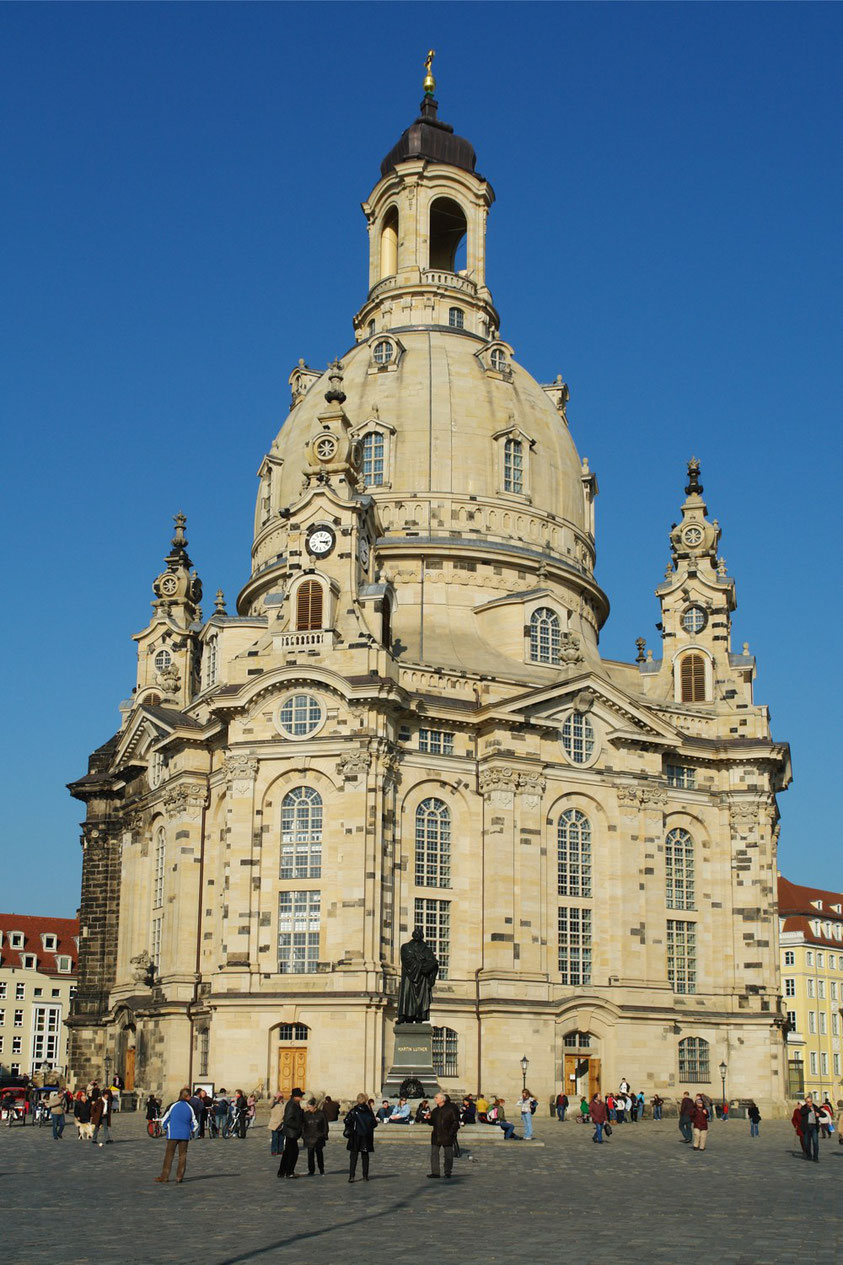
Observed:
{"x":582,"y":1076}
{"x":292,"y":1068}
{"x":129,"y":1069}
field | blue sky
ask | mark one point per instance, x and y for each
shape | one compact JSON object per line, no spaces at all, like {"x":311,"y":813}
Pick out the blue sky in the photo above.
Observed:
{"x":181,"y":222}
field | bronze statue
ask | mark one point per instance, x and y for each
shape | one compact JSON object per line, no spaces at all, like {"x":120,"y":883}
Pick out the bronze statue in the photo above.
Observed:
{"x":419,"y":969}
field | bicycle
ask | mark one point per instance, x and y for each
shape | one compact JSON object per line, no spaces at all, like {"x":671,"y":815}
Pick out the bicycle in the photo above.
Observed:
{"x":153,"y":1127}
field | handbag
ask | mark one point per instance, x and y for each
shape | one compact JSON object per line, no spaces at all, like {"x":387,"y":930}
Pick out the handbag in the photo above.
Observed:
{"x":607,"y":1129}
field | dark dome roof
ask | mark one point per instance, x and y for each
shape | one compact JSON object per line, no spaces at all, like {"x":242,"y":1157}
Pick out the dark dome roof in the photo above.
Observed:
{"x":429,"y":138}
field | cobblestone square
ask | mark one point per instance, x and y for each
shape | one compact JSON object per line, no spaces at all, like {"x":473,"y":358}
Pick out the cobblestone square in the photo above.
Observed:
{"x":644,"y":1197}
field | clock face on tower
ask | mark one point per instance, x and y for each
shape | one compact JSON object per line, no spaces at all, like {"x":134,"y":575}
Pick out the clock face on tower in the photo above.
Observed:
{"x":320,"y":541}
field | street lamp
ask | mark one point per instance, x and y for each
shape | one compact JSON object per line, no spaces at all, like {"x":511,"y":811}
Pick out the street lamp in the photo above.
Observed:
{"x":525,"y":1063}
{"x":723,"y":1082}
{"x":107,"y":1065}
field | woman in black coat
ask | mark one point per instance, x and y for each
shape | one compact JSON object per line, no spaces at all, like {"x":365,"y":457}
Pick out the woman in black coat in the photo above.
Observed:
{"x":359,"y":1128}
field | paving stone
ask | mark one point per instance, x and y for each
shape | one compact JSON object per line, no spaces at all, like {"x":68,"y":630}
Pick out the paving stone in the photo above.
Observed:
{"x":644,"y":1197}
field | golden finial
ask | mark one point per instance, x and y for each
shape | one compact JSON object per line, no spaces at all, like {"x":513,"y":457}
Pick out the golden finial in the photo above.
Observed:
{"x":429,"y":84}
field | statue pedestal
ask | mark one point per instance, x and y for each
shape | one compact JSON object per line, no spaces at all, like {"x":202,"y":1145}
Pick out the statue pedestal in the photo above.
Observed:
{"x":413,"y":1060}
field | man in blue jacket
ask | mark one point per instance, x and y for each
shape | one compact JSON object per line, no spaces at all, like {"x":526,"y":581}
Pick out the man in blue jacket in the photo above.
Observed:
{"x":180,"y":1124}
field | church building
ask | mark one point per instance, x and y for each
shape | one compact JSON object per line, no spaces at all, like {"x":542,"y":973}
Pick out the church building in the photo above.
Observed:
{"x":406,"y":721}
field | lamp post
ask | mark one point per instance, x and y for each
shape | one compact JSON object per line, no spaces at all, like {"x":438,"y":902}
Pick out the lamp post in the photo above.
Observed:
{"x":107,"y":1066}
{"x":723,"y":1083}
{"x":525,"y":1063}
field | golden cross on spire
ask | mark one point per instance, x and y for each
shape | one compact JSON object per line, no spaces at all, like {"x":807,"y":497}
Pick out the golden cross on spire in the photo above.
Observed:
{"x":429,"y":84}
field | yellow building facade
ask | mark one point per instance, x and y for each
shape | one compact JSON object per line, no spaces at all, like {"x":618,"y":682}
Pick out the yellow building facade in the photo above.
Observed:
{"x":407,"y":721}
{"x":811,"y":937}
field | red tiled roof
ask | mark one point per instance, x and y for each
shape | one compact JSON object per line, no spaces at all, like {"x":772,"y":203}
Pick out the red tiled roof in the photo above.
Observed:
{"x":33,"y":928}
{"x":794,"y":899}
{"x":825,"y":932}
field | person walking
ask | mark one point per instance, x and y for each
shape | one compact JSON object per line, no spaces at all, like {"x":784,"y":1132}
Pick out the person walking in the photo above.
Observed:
{"x":796,"y":1121}
{"x":242,"y":1107}
{"x":291,"y":1128}
{"x":526,"y":1107}
{"x":445,"y":1123}
{"x":55,"y":1106}
{"x":754,"y":1119}
{"x":179,"y":1124}
{"x":315,"y":1134}
{"x":599,"y":1117}
{"x":699,"y":1121}
{"x":561,"y":1107}
{"x":686,"y":1114}
{"x":359,"y":1128}
{"x":810,"y":1129}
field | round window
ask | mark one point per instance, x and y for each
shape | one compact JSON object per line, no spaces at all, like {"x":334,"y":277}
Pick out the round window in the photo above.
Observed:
{"x":299,"y":716}
{"x":163,"y":659}
{"x":694,"y":620}
{"x":383,"y":352}
{"x":578,"y":741}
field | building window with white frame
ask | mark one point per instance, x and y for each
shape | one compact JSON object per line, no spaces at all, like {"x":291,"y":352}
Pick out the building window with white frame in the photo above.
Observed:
{"x":163,"y":660}
{"x":574,"y":926}
{"x":18,"y":1020}
{"x":30,"y":961}
{"x":513,"y":466}
{"x":809,"y":957}
{"x":433,"y":844}
{"x":436,"y":742}
{"x":2,"y":989}
{"x":383,"y":352}
{"x":821,"y":989}
{"x":497,"y":360}
{"x":810,"y":987}
{"x":20,"y":992}
{"x":456,"y":318}
{"x":17,"y":1045}
{"x":301,"y":833}
{"x":682,"y":956}
{"x":578,"y":738}
{"x":823,"y":1024}
{"x":300,"y":715}
{"x":679,"y":870}
{"x":574,"y":854}
{"x":835,"y":1063}
{"x":434,"y":918}
{"x":812,"y":1022}
{"x":813,"y":1062}
{"x":789,"y":957}
{"x":374,"y":458}
{"x":46,"y":1027}
{"x":299,"y":925}
{"x":211,"y":661}
{"x":791,"y":1020}
{"x":694,"y":1065}
{"x":790,"y":987}
{"x":545,"y":636}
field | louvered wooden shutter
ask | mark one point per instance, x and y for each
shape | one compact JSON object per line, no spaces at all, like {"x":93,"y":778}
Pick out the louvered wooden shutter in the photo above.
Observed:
{"x":309,"y":606}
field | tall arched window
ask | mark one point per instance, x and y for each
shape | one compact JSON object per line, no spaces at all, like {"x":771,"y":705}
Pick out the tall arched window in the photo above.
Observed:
{"x":513,"y":466}
{"x":574,"y":863}
{"x":309,"y":606}
{"x":447,"y":230}
{"x":694,"y":1063}
{"x":389,"y":243}
{"x":692,"y":679}
{"x":373,"y":458}
{"x":456,"y":318}
{"x":386,"y":624}
{"x":433,"y":844}
{"x":211,"y":647}
{"x":158,"y":897}
{"x":445,"y":1047}
{"x":679,"y":870}
{"x":545,"y":636}
{"x":301,"y":833}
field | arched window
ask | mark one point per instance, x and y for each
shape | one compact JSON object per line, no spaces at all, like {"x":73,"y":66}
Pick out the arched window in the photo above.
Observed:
{"x":163,"y":659}
{"x":372,"y":328}
{"x":158,"y":898}
{"x":692,"y":679}
{"x":694,"y":1061}
{"x":679,"y":870}
{"x":497,"y":360}
{"x":577,"y":1040}
{"x":309,"y":606}
{"x":574,"y":863}
{"x":456,"y":318}
{"x":211,"y":662}
{"x":373,"y":458}
{"x":513,"y":466}
{"x":447,"y":230}
{"x":297,"y":1032}
{"x":445,"y":1045}
{"x":578,"y":738}
{"x":389,"y":243}
{"x":301,"y":833}
{"x":433,"y":844}
{"x":545,"y":636}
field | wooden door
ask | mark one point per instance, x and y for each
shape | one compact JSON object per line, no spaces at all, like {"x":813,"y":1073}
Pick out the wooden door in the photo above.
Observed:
{"x":292,"y":1068}
{"x":129,"y":1069}
{"x":593,"y":1077}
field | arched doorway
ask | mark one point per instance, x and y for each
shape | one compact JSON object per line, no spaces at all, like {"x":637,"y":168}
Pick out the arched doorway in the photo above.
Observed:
{"x":292,"y":1057}
{"x":580,"y":1064}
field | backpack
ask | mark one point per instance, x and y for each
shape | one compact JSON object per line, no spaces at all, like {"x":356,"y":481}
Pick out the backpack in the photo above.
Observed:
{"x":533,"y":1105}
